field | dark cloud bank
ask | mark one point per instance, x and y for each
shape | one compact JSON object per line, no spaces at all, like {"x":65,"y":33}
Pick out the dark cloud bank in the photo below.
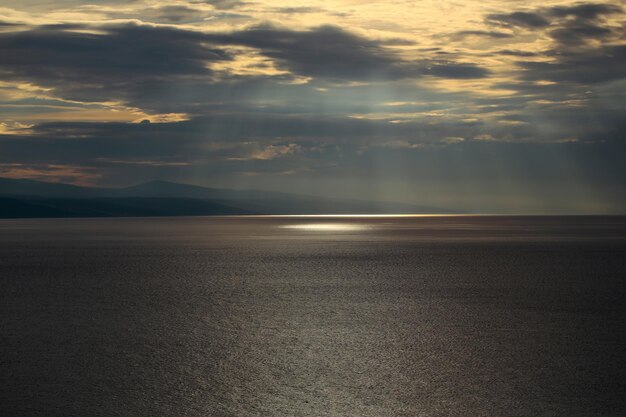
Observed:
{"x":229,"y":135}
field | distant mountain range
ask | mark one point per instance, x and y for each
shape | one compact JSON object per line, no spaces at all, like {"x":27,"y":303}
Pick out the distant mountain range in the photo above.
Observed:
{"x":22,"y":198}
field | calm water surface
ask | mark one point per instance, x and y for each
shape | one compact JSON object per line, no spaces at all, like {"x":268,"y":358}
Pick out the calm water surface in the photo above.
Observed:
{"x":313,"y":316}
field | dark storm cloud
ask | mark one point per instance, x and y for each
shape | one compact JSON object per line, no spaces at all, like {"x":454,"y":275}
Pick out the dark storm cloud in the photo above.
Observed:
{"x":4,"y":23}
{"x":233,"y":136}
{"x":586,"y":24}
{"x":600,"y":65}
{"x":584,"y":11}
{"x":582,"y":52}
{"x":108,"y":64}
{"x":327,"y":52}
{"x":223,"y":145}
{"x":345,"y":148}
{"x":580,"y":33}
{"x":455,"y":71}
{"x":332,"y":53}
{"x":583,"y":14}
{"x":216,"y":137}
{"x":129,"y":62}
{"x":521,"y":19}
{"x":222,"y":126}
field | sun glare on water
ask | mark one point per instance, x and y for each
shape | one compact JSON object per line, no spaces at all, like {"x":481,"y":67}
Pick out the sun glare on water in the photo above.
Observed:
{"x":340,"y":226}
{"x":327,"y":227}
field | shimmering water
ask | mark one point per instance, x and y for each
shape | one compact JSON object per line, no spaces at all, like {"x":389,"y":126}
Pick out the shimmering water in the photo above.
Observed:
{"x":293,"y":316}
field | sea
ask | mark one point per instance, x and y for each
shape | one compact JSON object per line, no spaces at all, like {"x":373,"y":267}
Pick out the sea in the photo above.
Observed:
{"x":378,"y":316}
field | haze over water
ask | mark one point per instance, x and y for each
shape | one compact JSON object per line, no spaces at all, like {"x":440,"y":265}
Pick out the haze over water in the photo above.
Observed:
{"x":313,"y":316}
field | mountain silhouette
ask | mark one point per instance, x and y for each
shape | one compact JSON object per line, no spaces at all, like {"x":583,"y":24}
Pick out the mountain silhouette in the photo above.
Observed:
{"x":23,"y":198}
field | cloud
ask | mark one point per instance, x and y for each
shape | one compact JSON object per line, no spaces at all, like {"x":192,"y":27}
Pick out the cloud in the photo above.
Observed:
{"x":104,"y":63}
{"x":4,"y":23}
{"x":210,"y":138}
{"x":586,"y":48}
{"x":599,"y":65}
{"x":452,"y":140}
{"x":481,"y":34}
{"x":158,"y":67}
{"x":586,"y":11}
{"x":175,"y":14}
{"x":453,"y":70}
{"x":580,"y":34}
{"x":270,"y":92}
{"x":298,"y":10}
{"x":275,"y":151}
{"x":541,"y":18}
{"x":329,"y":52}
{"x":485,"y":138}
{"x":587,"y":24}
{"x":519,"y":19}
{"x":225,"y":4}
{"x":79,"y":175}
{"x":515,"y":53}
{"x":230,"y":145}
{"x":326,"y":52}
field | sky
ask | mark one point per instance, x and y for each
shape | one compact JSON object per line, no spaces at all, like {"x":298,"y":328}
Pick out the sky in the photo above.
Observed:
{"x":490,"y":106}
